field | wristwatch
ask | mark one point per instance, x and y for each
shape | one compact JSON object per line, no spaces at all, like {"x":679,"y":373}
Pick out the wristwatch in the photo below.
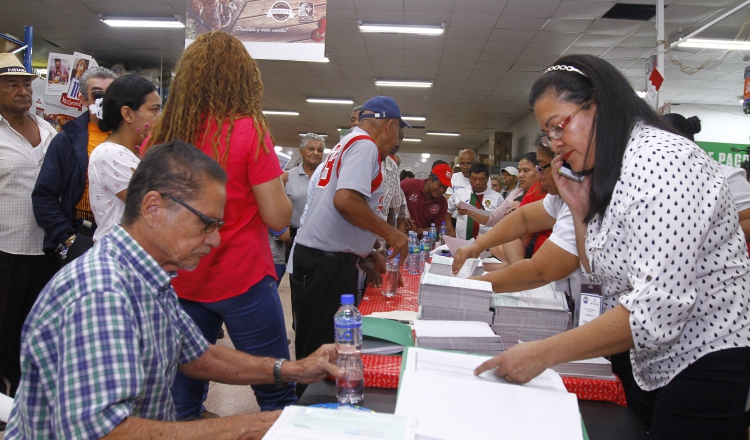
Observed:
{"x":69,"y":242}
{"x":277,"y":373}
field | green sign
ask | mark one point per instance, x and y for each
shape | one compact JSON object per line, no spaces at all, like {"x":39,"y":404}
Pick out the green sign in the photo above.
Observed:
{"x":722,"y":152}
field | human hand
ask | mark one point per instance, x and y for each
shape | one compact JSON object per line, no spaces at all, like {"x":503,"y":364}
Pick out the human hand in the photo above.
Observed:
{"x":462,"y":211}
{"x":574,"y":194}
{"x":373,"y":274}
{"x":257,"y":424}
{"x":463,"y":254}
{"x":400,"y":243}
{"x":314,"y":367}
{"x":409,"y":224}
{"x":519,"y":364}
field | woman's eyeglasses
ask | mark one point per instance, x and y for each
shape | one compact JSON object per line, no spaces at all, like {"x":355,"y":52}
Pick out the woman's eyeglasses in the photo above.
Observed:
{"x":558,"y":131}
{"x":212,"y":224}
{"x":540,"y":169}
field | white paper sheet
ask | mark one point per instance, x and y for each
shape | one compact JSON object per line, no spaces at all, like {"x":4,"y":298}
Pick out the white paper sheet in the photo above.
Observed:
{"x":306,"y":423}
{"x":455,"y":244}
{"x":463,"y":283}
{"x":474,"y":209}
{"x":447,"y":329}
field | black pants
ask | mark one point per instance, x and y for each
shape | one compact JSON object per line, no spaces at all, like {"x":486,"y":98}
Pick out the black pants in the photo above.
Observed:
{"x":22,"y":277}
{"x":318,"y":281}
{"x":704,"y":401}
{"x":84,"y":242}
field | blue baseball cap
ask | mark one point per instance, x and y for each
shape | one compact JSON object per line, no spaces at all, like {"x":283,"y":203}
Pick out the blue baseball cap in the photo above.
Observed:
{"x":384,"y":107}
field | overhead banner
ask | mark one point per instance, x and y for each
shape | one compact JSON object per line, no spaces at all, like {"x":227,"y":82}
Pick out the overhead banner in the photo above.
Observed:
{"x":269,"y":29}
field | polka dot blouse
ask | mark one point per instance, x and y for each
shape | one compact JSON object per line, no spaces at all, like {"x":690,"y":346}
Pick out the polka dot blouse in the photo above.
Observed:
{"x":669,"y":249}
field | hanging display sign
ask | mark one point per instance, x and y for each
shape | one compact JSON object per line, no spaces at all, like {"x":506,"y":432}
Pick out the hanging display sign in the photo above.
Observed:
{"x":56,"y":98}
{"x":746,"y":92}
{"x":654,"y":79}
{"x":269,"y":29}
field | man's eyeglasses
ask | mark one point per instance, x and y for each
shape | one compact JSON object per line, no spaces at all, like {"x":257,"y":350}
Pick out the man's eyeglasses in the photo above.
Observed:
{"x":558,"y":131}
{"x":540,"y":169}
{"x":212,"y":224}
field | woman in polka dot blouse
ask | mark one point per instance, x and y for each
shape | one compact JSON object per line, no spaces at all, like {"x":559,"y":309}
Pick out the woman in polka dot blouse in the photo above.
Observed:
{"x":656,"y":227}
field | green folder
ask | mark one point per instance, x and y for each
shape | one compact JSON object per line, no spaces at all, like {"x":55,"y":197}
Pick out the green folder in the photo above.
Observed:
{"x":387,"y":330}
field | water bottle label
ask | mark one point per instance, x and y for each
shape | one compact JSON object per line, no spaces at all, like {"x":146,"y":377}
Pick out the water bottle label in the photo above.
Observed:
{"x":414,"y":249}
{"x":425,"y":247}
{"x":343,"y":334}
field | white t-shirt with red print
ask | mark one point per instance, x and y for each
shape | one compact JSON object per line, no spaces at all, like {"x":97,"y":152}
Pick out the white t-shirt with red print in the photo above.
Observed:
{"x":110,"y":168}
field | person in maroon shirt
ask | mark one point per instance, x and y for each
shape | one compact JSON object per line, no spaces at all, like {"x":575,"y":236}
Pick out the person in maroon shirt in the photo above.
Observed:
{"x":425,"y":198}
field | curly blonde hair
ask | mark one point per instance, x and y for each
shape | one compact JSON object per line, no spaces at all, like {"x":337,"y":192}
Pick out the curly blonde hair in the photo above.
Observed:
{"x":215,"y":80}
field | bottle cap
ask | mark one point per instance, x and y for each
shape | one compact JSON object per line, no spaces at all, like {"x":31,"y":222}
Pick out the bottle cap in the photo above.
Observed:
{"x":347,"y":299}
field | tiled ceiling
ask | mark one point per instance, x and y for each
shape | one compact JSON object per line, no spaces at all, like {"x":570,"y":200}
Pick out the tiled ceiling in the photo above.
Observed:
{"x":482,"y":68}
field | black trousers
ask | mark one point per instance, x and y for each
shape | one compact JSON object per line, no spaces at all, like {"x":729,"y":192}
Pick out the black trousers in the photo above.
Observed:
{"x":22,"y":277}
{"x":704,"y":401}
{"x":84,"y":242}
{"x":318,"y":281}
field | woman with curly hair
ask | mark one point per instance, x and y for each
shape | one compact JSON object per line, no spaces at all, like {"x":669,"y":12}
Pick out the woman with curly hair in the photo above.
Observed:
{"x":215,"y":104}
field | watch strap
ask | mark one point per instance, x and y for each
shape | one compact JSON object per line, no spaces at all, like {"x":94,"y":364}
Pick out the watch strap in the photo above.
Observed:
{"x":277,"y":373}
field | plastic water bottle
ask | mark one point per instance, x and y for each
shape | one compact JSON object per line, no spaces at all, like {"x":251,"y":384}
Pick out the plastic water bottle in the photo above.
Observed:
{"x":414,"y":268}
{"x":443,"y":231}
{"x":424,"y":251}
{"x":390,"y":280}
{"x":433,"y":236}
{"x":347,"y":323}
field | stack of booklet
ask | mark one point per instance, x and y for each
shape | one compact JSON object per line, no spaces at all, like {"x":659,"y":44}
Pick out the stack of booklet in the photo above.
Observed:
{"x":467,"y":336}
{"x":441,"y":265}
{"x":597,"y":368}
{"x":454,"y":299}
{"x":529,"y":315}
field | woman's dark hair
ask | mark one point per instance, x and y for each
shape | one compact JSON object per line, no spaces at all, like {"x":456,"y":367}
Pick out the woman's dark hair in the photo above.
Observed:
{"x":127,"y":90}
{"x":478,"y":168}
{"x":617,"y":110}
{"x":439,"y":162}
{"x":531,"y":157}
{"x":686,"y":127}
{"x":406,"y":175}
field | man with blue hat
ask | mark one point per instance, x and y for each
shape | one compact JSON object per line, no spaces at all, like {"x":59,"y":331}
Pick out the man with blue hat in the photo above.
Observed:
{"x":342,"y":224}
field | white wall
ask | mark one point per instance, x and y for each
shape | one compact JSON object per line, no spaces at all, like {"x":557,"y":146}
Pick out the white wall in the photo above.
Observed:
{"x":413,"y":162}
{"x":719,"y":123}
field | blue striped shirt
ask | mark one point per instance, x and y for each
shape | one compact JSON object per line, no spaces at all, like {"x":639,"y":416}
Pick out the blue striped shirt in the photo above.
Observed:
{"x":102,"y":343}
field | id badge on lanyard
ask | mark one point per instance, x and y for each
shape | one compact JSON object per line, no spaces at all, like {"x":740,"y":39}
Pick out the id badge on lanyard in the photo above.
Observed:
{"x":591,"y":303}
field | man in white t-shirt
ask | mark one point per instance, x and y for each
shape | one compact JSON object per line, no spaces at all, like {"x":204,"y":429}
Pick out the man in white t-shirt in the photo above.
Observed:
{"x":480,"y":195}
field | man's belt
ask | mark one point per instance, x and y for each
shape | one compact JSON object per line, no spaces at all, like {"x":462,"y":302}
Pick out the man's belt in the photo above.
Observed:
{"x":351,"y":258}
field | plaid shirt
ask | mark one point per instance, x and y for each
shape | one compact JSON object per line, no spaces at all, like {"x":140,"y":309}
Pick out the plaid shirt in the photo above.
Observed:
{"x":103,"y":342}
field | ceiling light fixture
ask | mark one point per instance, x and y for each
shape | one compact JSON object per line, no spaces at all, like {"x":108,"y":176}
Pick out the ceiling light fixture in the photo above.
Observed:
{"x":415,"y":29}
{"x":330,"y":101}
{"x":411,"y":140}
{"x":326,"y":150}
{"x":426,"y":155}
{"x":319,"y":134}
{"x":423,"y":160}
{"x":174,"y":21}
{"x":402,"y":83}
{"x":290,"y":152}
{"x":413,"y":118}
{"x":641,"y":93}
{"x":701,"y":43}
{"x":442,"y":133}
{"x":278,"y":148}
{"x":281,"y":112}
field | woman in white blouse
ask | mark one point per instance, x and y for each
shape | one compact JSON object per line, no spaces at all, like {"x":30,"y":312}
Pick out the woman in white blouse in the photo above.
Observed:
{"x":655,"y":225}
{"x":130,"y":107}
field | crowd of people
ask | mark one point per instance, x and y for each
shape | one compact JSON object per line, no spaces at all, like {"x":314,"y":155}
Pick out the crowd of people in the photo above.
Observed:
{"x":126,"y":243}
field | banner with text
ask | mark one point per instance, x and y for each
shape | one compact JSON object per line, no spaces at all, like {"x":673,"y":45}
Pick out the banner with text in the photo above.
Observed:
{"x":269,"y":29}
{"x":725,"y":154}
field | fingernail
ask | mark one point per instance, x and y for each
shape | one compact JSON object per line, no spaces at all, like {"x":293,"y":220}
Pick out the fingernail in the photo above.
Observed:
{"x":137,"y":130}
{"x":146,"y":126}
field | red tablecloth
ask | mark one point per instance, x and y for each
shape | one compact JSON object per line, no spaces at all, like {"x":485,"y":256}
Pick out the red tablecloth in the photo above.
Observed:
{"x":383,"y":371}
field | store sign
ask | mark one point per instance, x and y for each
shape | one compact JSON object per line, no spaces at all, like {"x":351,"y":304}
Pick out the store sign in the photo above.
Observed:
{"x":654,"y":80}
{"x":269,"y":29}
{"x":725,"y":154}
{"x":56,"y":98}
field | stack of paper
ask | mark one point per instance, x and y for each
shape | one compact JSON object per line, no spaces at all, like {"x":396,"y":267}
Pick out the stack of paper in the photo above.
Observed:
{"x":467,"y":336}
{"x":441,"y":265}
{"x":529,"y":315}
{"x":451,"y":298}
{"x":597,"y":368}
{"x":482,"y":407}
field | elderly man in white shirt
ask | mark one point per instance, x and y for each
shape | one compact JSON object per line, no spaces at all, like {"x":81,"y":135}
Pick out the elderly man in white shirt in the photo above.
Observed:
{"x":478,"y":194}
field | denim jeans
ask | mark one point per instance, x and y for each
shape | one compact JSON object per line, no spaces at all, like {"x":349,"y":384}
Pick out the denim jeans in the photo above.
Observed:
{"x":255,"y":323}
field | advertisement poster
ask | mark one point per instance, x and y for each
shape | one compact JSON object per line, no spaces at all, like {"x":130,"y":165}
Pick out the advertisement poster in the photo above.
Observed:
{"x":269,"y":29}
{"x":56,"y":98}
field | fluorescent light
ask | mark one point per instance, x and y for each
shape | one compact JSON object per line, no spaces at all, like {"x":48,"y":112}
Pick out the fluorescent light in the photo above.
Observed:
{"x":411,"y":140}
{"x":277,"y":148}
{"x":426,"y":155}
{"x":423,"y":159}
{"x":442,"y":133}
{"x":402,"y":83}
{"x":326,"y":150}
{"x":290,"y":152}
{"x":324,"y":60}
{"x":413,"y":118}
{"x":641,"y":93}
{"x":330,"y":101}
{"x":433,"y":30}
{"x":281,"y":112}
{"x":700,"y":43}
{"x":174,"y":21}
{"x":319,"y":134}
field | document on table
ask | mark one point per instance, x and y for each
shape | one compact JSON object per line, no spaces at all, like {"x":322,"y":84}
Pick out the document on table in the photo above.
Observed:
{"x":482,"y":407}
{"x":455,"y":282}
{"x":455,"y":244}
{"x":459,"y":329}
{"x":474,"y":209}
{"x":306,"y":423}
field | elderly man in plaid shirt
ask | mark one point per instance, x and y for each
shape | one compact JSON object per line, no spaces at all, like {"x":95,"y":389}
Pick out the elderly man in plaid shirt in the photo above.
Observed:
{"x":103,"y":342}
